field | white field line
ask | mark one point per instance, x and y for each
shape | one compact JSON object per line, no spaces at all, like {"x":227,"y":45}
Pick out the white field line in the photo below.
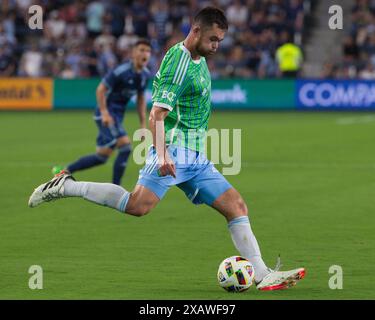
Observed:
{"x":356,"y":120}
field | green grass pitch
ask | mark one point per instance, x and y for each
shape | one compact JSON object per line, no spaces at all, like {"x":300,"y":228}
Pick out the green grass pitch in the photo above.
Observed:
{"x":308,"y":180}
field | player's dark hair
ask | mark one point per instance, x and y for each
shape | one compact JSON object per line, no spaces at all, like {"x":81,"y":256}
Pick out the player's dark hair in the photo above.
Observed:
{"x":210,"y":15}
{"x":142,"y":41}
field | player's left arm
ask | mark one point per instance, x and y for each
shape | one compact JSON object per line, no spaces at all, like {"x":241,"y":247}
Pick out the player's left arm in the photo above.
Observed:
{"x":141,"y":109}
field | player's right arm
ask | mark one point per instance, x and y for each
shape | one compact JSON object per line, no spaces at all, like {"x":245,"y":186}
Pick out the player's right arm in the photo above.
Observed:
{"x":101,"y":91}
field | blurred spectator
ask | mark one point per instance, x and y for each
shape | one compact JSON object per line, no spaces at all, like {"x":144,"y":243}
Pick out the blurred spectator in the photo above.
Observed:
{"x":76,"y":29}
{"x":351,"y":51}
{"x":107,"y":60}
{"x":86,"y":38}
{"x":257,"y":22}
{"x":94,"y":18}
{"x":160,"y":25}
{"x":54,"y":27}
{"x":31,"y":62}
{"x":24,"y":4}
{"x":90,"y":59}
{"x":72,"y":12}
{"x":140,"y":17}
{"x":74,"y":60}
{"x":329,"y":71}
{"x":295,"y":17}
{"x":125,"y":42}
{"x":358,"y":47}
{"x":237,"y":14}
{"x":6,"y":38}
{"x":7,"y":66}
{"x":67,"y":72}
{"x":105,"y":39}
{"x":236,"y":64}
{"x":9,"y":23}
{"x":116,"y":16}
{"x":368,"y":73}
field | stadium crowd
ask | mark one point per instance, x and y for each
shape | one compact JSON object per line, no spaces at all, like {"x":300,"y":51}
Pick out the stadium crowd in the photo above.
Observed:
{"x":84,"y":38}
{"x":358,"y":47}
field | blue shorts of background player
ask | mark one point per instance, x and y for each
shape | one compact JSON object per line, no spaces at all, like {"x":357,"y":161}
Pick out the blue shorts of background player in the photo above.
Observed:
{"x":107,"y":136}
{"x":195,"y":175}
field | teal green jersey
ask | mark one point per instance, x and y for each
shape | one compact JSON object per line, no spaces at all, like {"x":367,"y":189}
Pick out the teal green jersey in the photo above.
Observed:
{"x":183,"y":86}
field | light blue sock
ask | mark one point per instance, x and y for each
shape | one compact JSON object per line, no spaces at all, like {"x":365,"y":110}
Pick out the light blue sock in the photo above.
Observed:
{"x":105,"y":194}
{"x":247,"y":245}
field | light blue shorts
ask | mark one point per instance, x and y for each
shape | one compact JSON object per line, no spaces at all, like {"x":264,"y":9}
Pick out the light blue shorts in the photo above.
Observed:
{"x":195,"y":175}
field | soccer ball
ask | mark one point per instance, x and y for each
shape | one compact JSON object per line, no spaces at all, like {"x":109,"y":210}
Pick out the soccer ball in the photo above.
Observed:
{"x":235,"y":274}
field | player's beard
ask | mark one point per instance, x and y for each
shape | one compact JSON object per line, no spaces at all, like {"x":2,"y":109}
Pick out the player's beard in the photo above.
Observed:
{"x":202,"y":51}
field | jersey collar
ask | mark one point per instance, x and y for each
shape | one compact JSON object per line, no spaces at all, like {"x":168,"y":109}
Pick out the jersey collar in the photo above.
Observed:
{"x":182,"y":46}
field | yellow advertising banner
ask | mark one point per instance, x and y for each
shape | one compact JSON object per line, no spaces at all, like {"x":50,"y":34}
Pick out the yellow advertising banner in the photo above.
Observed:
{"x":26,"y":93}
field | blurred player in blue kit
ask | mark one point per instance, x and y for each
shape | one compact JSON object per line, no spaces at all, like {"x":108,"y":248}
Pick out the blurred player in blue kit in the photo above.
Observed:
{"x":114,"y":92}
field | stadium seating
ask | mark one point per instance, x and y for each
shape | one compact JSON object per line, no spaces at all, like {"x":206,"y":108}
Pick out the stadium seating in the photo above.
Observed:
{"x":358,"y":48}
{"x":87,"y":38}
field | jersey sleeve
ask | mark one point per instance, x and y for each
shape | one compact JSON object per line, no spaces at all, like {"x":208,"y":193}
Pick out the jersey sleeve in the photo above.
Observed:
{"x":171,"y":80}
{"x":110,"y":79}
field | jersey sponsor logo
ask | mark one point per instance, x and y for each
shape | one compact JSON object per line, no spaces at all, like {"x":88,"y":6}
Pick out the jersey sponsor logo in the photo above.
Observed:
{"x":168,"y":95}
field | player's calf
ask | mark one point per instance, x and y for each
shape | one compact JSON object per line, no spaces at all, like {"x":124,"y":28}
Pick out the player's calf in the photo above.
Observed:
{"x":120,"y":163}
{"x":233,"y":207}
{"x":88,"y":161}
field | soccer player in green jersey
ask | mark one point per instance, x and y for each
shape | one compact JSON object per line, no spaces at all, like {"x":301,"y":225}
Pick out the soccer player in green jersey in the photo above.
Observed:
{"x":178,"y":120}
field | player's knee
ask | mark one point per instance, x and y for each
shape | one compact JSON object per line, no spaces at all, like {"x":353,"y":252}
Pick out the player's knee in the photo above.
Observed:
{"x":241,"y":207}
{"x":136,"y":207}
{"x":102,"y":158}
{"x":104,"y":153}
{"x":125,"y":149}
{"x":139,"y":203}
{"x":138,"y":211}
{"x":142,"y":211}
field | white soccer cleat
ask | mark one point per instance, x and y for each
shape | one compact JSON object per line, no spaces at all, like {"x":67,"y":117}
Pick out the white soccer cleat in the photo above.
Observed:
{"x":51,"y":190}
{"x":278,"y":280}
